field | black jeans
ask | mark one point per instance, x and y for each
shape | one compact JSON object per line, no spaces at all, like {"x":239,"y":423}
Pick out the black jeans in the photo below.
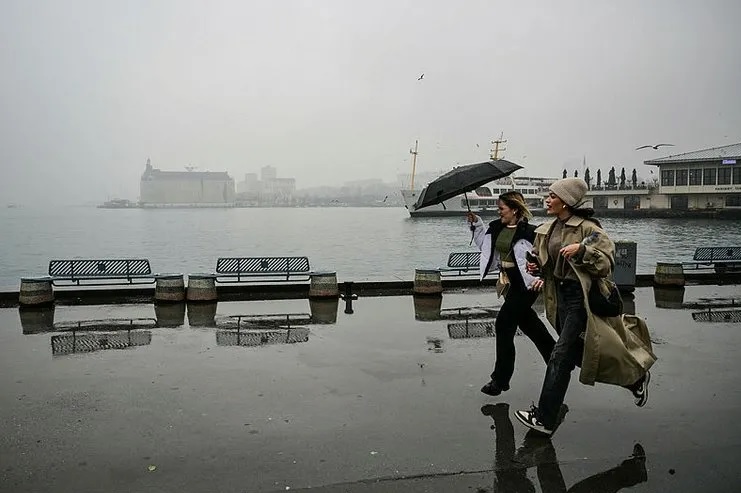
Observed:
{"x":571,"y":321}
{"x":517,"y":310}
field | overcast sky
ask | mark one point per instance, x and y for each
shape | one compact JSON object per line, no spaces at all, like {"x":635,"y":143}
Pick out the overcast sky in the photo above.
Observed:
{"x":327,"y":91}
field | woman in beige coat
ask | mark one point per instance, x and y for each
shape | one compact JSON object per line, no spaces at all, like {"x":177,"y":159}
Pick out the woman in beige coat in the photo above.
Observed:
{"x":575,"y":251}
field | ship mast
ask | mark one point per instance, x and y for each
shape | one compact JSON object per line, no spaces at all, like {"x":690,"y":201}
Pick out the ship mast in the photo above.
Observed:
{"x":495,"y":149}
{"x":413,"y":152}
{"x":494,"y":154}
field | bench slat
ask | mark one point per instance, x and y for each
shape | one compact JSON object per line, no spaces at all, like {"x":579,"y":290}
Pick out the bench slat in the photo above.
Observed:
{"x":103,"y":268}
{"x":65,"y":272}
{"x":711,"y":254}
{"x":262,"y":265}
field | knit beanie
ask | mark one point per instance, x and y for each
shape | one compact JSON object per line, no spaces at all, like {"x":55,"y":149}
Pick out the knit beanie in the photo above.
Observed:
{"x":570,"y":190}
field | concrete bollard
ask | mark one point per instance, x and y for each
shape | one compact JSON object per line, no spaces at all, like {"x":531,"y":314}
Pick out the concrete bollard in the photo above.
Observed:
{"x":324,"y":311}
{"x":37,"y":319}
{"x":169,"y":288}
{"x":36,"y":291}
{"x":202,"y":314}
{"x":323,"y":285}
{"x":427,"y":282}
{"x":201,"y":287}
{"x":169,"y":314}
{"x":427,"y":308}
{"x":669,"y":274}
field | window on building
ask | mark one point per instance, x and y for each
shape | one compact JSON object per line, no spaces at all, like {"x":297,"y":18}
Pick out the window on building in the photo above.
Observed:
{"x":667,"y":178}
{"x":708,"y":176}
{"x":695,"y":177}
{"x":681,"y":177}
{"x":600,"y":202}
{"x":733,"y":200}
{"x":737,"y":175}
{"x":724,"y":176}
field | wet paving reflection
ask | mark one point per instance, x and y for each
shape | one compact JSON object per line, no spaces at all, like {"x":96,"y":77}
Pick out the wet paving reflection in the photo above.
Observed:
{"x":259,"y":330}
{"x":99,"y":335}
{"x":717,"y":316}
{"x":511,"y":465}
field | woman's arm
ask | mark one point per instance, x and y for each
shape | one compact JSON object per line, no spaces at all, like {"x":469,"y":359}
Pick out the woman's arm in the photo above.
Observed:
{"x":520,"y":250}
{"x":595,"y":254}
{"x":479,"y":231}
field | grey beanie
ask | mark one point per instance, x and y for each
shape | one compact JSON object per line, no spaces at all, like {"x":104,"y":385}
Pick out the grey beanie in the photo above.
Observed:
{"x":570,"y":190}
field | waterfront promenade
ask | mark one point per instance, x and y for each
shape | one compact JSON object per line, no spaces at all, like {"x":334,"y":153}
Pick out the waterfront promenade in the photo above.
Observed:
{"x":383,"y":399}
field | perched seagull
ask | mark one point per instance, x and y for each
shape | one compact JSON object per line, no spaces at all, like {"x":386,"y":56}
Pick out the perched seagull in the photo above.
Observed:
{"x":653,"y":146}
{"x":421,"y":77}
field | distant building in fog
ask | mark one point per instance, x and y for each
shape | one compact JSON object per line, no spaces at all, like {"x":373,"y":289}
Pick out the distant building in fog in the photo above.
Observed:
{"x":268,"y":190}
{"x":159,"y":187}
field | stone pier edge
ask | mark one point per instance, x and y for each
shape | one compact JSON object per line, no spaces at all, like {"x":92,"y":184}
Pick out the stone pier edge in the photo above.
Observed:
{"x":255,"y":291}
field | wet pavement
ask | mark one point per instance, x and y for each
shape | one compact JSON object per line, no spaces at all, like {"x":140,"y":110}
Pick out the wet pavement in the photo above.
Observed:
{"x":292,"y":395}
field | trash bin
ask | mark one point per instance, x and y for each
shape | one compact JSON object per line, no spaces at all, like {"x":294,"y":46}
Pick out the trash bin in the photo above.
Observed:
{"x":625,"y":265}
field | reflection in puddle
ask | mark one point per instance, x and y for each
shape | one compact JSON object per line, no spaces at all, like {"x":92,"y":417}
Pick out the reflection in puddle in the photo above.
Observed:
{"x":202,"y":314}
{"x":427,"y":308}
{"x":467,"y":329}
{"x":98,"y":335}
{"x":669,"y":297}
{"x":260,"y":330}
{"x":717,"y":316}
{"x":37,"y":320}
{"x":435,"y":344}
{"x":170,"y":314}
{"x":246,"y":337}
{"x":324,"y":311}
{"x":510,"y":465}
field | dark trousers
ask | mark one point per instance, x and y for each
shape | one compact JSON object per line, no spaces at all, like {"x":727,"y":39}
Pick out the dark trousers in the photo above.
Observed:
{"x":517,"y":310}
{"x":571,"y":321}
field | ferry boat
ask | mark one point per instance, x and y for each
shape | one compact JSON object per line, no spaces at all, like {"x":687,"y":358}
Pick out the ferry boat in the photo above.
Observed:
{"x":483,"y":200}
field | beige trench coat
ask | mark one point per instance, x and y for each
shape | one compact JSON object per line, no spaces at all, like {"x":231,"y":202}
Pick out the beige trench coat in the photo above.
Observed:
{"x":617,"y":350}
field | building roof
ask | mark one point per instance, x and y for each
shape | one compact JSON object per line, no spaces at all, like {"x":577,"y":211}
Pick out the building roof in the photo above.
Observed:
{"x":732,"y":151}
{"x":158,"y":174}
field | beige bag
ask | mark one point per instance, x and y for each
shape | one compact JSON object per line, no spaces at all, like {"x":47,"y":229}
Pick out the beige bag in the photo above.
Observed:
{"x":503,"y":284}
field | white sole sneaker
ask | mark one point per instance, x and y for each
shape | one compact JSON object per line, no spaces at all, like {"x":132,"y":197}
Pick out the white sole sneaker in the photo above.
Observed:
{"x":528,"y":419}
{"x":641,"y":397}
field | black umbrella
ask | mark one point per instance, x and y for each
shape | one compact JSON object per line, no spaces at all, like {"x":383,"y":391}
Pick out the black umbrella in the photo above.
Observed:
{"x":463,"y":179}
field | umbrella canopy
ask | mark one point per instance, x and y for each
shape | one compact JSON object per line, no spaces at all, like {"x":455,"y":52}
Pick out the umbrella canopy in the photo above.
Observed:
{"x":463,"y":179}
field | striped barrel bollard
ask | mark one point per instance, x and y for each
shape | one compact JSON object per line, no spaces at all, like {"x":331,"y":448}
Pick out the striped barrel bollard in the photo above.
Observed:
{"x":427,"y":282}
{"x":36,"y":291}
{"x":201,"y":287}
{"x":169,"y":288}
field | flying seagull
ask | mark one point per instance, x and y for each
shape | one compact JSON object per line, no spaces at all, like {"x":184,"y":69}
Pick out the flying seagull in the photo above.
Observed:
{"x":421,"y":77}
{"x":653,"y":146}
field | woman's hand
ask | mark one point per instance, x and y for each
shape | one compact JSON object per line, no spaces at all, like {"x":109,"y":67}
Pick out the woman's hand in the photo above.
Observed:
{"x":531,"y":267}
{"x":569,"y":250}
{"x":472,"y":218}
{"x":537,"y":285}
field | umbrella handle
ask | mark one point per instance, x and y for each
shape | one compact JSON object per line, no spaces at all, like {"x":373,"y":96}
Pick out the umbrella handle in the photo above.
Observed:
{"x":473,"y":228}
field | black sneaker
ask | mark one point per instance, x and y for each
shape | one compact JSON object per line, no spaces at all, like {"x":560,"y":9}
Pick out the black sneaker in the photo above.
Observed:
{"x":528,"y":419}
{"x":641,"y":393}
{"x":493,"y":389}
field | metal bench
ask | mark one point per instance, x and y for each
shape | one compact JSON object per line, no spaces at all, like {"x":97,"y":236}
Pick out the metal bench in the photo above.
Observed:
{"x":721,"y":259}
{"x":100,"y":272}
{"x":462,"y":264}
{"x":262,"y":269}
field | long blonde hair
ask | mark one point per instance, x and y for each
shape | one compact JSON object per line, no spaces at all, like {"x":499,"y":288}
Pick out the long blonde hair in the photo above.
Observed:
{"x":515,"y":200}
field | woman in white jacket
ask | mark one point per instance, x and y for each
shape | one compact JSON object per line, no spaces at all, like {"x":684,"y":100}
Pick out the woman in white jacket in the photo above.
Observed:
{"x":504,"y":245}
